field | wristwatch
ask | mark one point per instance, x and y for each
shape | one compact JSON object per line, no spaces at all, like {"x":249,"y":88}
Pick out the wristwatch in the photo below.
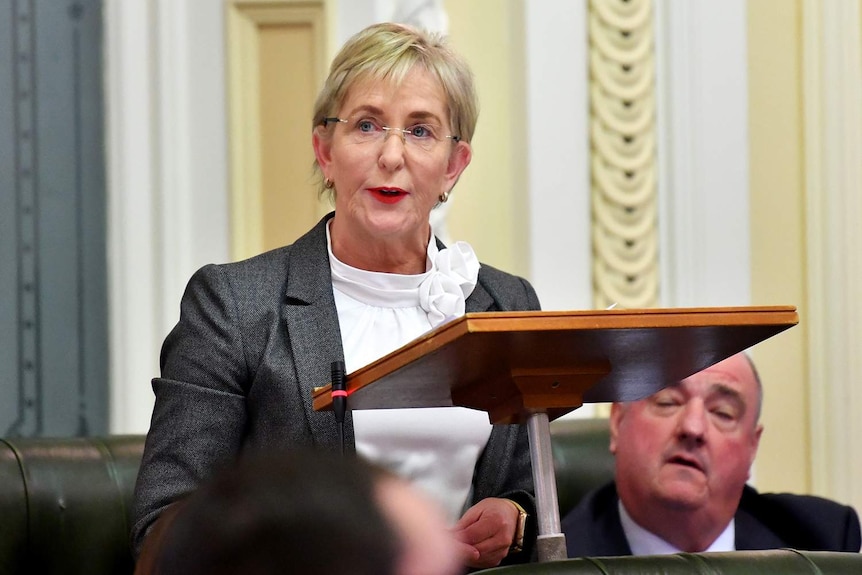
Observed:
{"x":518,"y":540}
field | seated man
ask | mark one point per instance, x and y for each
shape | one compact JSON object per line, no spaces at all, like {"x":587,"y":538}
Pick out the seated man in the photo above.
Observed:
{"x":683,"y":456}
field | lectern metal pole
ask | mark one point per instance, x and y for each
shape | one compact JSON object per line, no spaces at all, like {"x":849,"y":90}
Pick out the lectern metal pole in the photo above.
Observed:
{"x":551,"y":543}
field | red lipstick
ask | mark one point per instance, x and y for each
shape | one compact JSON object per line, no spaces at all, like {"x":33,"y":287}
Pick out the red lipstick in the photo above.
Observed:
{"x":388,"y":195}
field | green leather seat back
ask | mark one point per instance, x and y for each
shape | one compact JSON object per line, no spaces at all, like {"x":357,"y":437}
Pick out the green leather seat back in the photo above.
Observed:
{"x":582,"y":460}
{"x":13,"y":510}
{"x":66,"y":504}
{"x":65,"y":508}
{"x":777,"y":562}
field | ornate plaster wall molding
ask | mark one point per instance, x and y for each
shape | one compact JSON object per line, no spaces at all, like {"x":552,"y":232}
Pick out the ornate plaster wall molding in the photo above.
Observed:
{"x":623,"y":139}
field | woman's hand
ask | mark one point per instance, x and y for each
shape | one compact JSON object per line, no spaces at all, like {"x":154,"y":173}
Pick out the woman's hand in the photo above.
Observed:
{"x":486,"y":531}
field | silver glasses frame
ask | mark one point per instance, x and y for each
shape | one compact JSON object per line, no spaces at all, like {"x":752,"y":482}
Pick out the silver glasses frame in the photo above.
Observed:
{"x":403,"y":132}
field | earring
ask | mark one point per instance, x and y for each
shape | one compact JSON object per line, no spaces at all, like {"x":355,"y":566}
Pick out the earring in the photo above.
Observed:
{"x":443,"y":197}
{"x":328,"y":184}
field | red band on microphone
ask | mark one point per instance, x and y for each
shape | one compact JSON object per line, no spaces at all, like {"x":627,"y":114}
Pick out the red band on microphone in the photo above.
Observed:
{"x":338,"y":393}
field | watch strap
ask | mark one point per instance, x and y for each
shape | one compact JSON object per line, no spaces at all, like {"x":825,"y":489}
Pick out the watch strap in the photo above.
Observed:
{"x":518,"y":539}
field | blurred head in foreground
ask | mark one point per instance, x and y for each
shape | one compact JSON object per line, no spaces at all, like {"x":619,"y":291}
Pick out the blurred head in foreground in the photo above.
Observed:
{"x":307,"y":512}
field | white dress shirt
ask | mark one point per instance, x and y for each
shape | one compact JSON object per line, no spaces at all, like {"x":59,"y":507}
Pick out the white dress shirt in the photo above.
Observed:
{"x":643,"y":542}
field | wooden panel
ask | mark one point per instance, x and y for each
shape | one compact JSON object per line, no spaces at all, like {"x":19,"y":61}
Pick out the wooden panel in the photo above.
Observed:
{"x":287,"y":92}
{"x":276,"y":55}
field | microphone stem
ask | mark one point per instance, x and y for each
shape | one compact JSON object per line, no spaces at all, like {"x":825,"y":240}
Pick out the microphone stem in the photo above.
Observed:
{"x":338,"y":389}
{"x":341,"y":436}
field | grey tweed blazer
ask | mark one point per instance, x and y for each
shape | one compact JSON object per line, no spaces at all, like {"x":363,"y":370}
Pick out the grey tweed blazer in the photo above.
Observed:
{"x":237,"y":372}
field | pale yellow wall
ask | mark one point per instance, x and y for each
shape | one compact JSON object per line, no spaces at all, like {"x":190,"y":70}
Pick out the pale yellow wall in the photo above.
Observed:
{"x":778,"y":236}
{"x":489,"y":203}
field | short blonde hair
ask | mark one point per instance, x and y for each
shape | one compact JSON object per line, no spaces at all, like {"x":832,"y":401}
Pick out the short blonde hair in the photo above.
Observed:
{"x":389,"y":51}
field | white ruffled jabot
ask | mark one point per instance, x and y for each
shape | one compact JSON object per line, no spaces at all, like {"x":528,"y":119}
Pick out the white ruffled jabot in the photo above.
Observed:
{"x":441,"y":291}
{"x":451,"y":279}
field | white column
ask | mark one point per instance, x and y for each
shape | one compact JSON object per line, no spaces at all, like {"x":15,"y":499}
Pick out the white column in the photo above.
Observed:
{"x":701,"y":73}
{"x":132,"y":264}
{"x":832,"y":54}
{"x":167,"y":179}
{"x":558,"y":152}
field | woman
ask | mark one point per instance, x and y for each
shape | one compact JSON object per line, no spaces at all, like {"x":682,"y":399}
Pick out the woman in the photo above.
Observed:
{"x":391,"y":135}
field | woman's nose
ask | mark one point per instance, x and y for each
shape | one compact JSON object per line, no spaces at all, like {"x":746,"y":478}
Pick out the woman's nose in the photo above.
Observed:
{"x":392,"y":150}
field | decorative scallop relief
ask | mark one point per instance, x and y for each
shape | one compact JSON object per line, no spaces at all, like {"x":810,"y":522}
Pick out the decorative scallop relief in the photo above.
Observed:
{"x":623,"y":162}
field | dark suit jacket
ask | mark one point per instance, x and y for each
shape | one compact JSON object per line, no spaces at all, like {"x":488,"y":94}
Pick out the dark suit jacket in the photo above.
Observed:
{"x":254,"y":338}
{"x":763,"y":521}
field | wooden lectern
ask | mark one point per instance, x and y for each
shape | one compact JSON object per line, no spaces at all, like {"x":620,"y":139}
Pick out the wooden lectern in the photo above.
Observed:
{"x":531,"y":367}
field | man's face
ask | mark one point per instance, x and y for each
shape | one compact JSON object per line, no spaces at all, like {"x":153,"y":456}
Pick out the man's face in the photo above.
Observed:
{"x":690,"y":446}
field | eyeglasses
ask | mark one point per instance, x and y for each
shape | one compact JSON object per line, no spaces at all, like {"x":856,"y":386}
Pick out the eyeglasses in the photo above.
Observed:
{"x":366,"y":130}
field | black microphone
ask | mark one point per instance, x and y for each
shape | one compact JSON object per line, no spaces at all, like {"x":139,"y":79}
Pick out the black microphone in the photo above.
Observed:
{"x":338,"y":392}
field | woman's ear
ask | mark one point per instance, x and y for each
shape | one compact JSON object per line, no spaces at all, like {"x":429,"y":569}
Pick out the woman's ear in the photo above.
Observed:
{"x":322,"y":144}
{"x":459,"y":159}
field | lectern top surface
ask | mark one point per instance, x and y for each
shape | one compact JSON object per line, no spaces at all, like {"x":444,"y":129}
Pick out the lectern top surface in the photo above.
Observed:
{"x":509,"y":362}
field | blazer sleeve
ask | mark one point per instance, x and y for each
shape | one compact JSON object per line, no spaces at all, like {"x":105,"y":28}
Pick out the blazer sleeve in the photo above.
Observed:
{"x":200,"y":412}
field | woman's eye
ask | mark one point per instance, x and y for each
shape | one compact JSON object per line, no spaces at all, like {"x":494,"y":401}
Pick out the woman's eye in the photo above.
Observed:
{"x":366,"y":126}
{"x":421,"y":131}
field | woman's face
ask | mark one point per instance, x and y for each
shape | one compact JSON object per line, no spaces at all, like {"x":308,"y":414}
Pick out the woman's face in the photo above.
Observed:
{"x":386,"y":184}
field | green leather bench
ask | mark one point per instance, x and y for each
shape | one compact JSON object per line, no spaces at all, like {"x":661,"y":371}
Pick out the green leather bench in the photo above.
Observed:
{"x":777,"y":562}
{"x":65,"y":504}
{"x":65,"y":508}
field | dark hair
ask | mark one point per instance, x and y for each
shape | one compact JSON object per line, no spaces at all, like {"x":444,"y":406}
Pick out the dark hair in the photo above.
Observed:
{"x":299,"y":512}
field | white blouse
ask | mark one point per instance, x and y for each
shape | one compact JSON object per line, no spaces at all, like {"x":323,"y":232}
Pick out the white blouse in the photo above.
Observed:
{"x":436,"y":448}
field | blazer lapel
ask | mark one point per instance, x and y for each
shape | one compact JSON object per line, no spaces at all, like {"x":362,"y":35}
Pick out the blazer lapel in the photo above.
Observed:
{"x":480,"y":299}
{"x":312,"y":324}
{"x":752,"y":534}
